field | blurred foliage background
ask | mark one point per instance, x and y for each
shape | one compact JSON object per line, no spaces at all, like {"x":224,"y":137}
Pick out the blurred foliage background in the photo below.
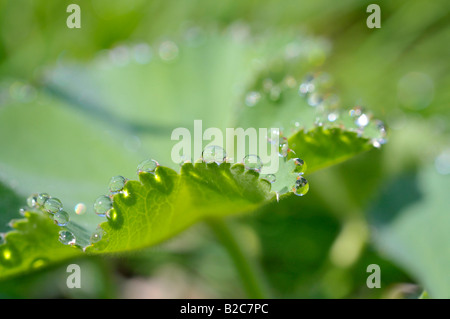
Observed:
{"x":388,"y":207}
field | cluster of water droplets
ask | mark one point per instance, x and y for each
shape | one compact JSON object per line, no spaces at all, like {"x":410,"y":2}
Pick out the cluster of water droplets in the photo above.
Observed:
{"x":54,"y":207}
{"x":315,"y":89}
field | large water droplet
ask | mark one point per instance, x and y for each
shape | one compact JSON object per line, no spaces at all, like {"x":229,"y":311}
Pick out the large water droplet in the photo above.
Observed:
{"x":214,"y":154}
{"x":32,"y":201}
{"x":147,"y":166}
{"x":300,"y":165}
{"x":66,"y":237}
{"x":61,"y":218}
{"x":53,"y":205}
{"x":252,"y":98}
{"x":80,"y":209}
{"x":301,"y":186}
{"x":102,"y":205}
{"x":117,"y":184}
{"x":252,"y":162}
{"x":306,"y":88}
{"x":41,"y":198}
{"x":168,"y":51}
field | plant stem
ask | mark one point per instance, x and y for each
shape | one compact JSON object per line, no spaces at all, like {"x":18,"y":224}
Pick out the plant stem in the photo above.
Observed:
{"x":247,"y":273}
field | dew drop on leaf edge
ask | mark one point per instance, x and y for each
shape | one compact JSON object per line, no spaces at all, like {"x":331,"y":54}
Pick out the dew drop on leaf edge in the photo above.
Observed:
{"x":301,"y":186}
{"x":252,"y":162}
{"x":147,"y":166}
{"x":66,"y":237}
{"x":61,"y":218}
{"x":116,"y":184}
{"x":102,"y":205}
{"x":214,"y":154}
{"x":53,"y":205}
{"x":32,"y":201}
{"x":42,"y":198}
{"x":300,"y":165}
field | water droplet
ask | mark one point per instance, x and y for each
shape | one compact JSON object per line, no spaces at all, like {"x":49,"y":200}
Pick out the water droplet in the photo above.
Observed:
{"x":80,"y":209}
{"x":314,"y":99}
{"x":117,"y":184}
{"x":271,"y":178}
{"x":194,"y":36}
{"x":23,"y":211}
{"x":53,"y":205}
{"x":147,"y":166}
{"x":96,"y":236}
{"x":362,"y":120}
{"x":102,"y":205}
{"x":67,"y":238}
{"x":2,"y":239}
{"x":214,"y":154}
{"x":61,"y":218}
{"x":32,"y":201}
{"x":306,"y":88}
{"x":267,"y":84}
{"x":301,"y":186}
{"x":41,"y":198}
{"x":252,"y":98}
{"x":168,"y":51}
{"x":356,"y":111}
{"x":290,"y":81}
{"x":300,"y":165}
{"x":184,"y":159}
{"x":252,"y":162}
